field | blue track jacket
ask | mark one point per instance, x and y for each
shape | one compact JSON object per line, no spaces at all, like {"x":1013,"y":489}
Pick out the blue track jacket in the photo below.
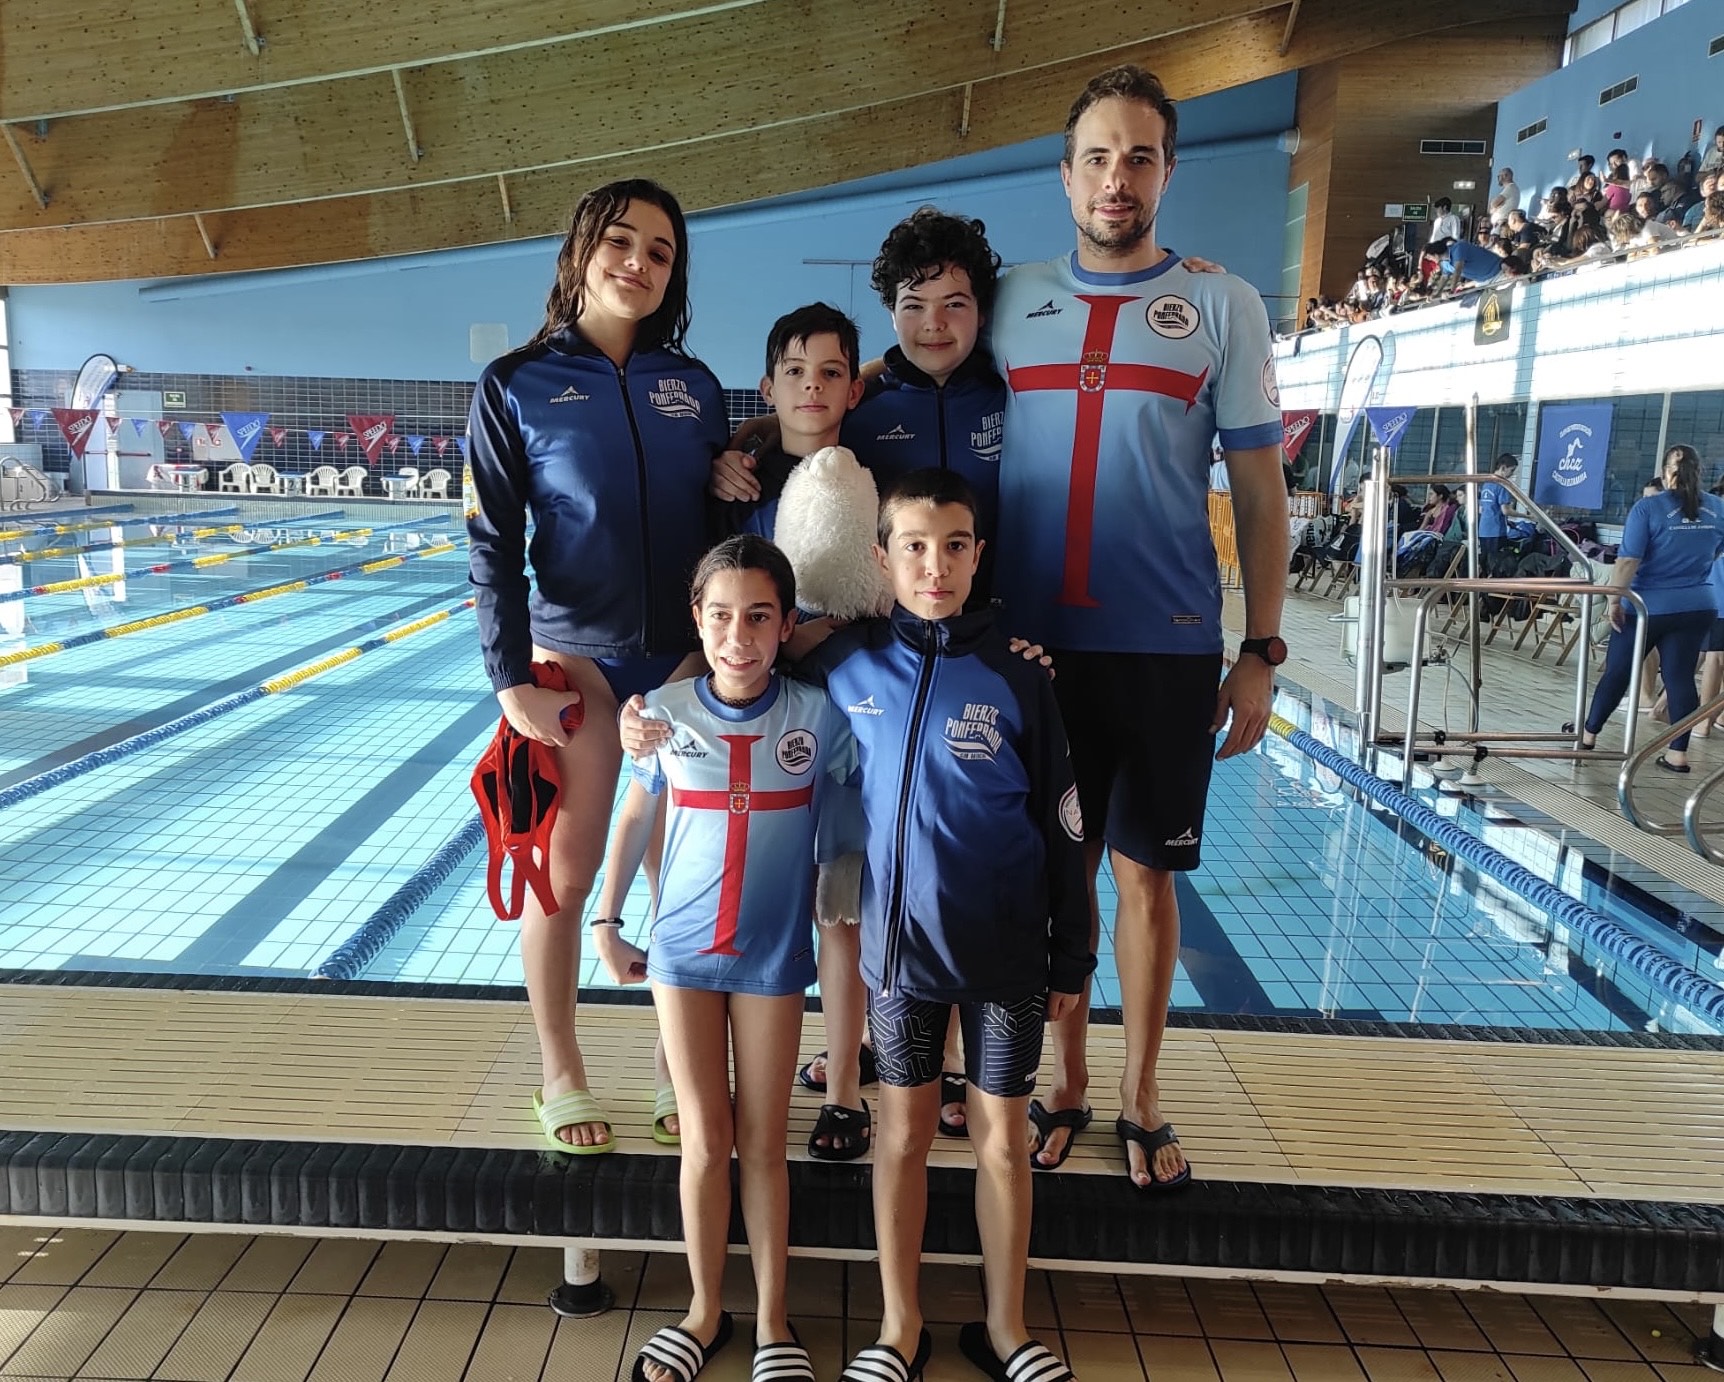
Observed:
{"x":975,"y":887}
{"x":614,"y":465}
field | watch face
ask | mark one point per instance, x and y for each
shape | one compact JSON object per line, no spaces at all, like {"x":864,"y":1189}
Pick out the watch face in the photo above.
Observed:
{"x":1276,"y":650}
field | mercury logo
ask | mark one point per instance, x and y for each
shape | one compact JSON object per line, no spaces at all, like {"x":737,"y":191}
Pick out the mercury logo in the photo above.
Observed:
{"x":898,"y":433}
{"x":865,"y":706}
{"x":570,"y":395}
{"x":1047,"y":309}
{"x":1181,"y":841}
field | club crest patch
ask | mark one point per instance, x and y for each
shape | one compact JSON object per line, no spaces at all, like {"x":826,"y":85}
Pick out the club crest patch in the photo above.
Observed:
{"x":1172,"y":316}
{"x":1071,"y":818}
{"x":1271,"y":390}
{"x":796,"y":750}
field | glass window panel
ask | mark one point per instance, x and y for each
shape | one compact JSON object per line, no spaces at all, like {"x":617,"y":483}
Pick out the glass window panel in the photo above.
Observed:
{"x":1593,"y":37}
{"x":1698,"y":420}
{"x":1635,"y":14}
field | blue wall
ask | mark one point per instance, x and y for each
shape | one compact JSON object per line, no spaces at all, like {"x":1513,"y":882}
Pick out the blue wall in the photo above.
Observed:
{"x":408,"y":318}
{"x":1679,"y":84}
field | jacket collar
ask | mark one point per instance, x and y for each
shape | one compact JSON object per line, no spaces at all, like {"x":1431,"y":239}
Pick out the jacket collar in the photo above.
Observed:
{"x":978,"y":368}
{"x":955,"y":637}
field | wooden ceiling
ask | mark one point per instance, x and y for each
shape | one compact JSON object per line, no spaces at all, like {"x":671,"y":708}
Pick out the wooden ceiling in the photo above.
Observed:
{"x":154,"y":138}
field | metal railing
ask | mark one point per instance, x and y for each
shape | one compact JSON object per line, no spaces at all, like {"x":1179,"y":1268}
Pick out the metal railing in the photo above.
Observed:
{"x":1690,"y":825}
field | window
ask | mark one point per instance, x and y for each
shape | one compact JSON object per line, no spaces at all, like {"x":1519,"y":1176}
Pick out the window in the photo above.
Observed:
{"x":1636,"y":14}
{"x":1698,"y":420}
{"x":1537,"y":127}
{"x":1413,"y":454}
{"x":1591,"y":38}
{"x":1473,"y":148}
{"x":1622,"y":88}
{"x":1624,"y":19}
{"x":1714,"y":48}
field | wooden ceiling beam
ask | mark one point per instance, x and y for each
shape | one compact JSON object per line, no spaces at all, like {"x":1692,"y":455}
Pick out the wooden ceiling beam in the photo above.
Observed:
{"x":538,"y":107}
{"x":36,"y":193}
{"x":737,"y":168}
{"x":253,"y":44}
{"x":60,"y":60}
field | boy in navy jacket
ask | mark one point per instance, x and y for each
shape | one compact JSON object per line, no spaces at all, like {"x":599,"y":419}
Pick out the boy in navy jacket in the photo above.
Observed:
{"x":974,"y":895}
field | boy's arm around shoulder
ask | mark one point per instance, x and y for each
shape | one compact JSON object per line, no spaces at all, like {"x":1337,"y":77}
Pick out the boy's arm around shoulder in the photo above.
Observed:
{"x":1053,"y":806}
{"x":818,"y":665}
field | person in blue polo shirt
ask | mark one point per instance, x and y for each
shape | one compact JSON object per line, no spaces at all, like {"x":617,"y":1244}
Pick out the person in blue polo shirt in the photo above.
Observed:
{"x":1496,"y":506}
{"x":1668,"y":546}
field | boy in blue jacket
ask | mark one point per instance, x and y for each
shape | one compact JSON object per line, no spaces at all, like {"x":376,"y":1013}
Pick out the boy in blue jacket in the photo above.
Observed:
{"x":974,"y":895}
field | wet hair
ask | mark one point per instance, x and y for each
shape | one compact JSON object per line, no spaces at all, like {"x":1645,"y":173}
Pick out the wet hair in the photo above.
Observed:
{"x":595,"y":213}
{"x":1506,"y":462}
{"x":746,"y":552}
{"x":816,"y":319}
{"x":1131,"y":83}
{"x":933,"y":486}
{"x":926,"y":243}
{"x":1686,"y":485}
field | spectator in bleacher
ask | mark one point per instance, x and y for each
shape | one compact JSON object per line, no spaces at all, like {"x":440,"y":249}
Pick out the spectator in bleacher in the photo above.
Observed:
{"x":1553,"y":215}
{"x":1713,"y":159}
{"x":1648,"y":211}
{"x":1584,"y":166}
{"x":1669,"y":544}
{"x":1616,"y":166}
{"x":1590,"y":188}
{"x":1467,"y":263}
{"x":1507,"y":198}
{"x":1525,"y":235}
{"x":1440,"y":509}
{"x":1617,"y":197}
{"x":1446,"y":227}
{"x":1653,"y":176}
{"x":1679,"y":200}
{"x":1712,"y":220}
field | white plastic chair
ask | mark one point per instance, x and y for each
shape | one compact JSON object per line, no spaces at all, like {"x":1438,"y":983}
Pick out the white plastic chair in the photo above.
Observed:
{"x":22,"y":484}
{"x":325,"y":479}
{"x":435,"y":485}
{"x":236,"y":479}
{"x":352,"y":481}
{"x":264,"y":479}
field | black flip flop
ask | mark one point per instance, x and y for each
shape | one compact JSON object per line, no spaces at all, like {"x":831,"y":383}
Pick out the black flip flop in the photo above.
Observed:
{"x":1031,"y":1362}
{"x":1074,"y":1119}
{"x":1150,"y":1141}
{"x":954,"y":1089}
{"x":837,"y":1121}
{"x":870,"y":1071}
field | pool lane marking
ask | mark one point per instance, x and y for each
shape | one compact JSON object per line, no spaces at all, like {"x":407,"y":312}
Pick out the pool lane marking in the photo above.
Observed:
{"x":165,"y":520}
{"x":201,"y":563}
{"x":1673,"y":981}
{"x":125,"y":748}
{"x":248,"y":597}
{"x":53,"y":529}
{"x":84,"y":549}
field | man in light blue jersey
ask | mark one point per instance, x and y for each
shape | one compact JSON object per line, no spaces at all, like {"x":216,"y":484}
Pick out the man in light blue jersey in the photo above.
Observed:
{"x":1123,"y":365}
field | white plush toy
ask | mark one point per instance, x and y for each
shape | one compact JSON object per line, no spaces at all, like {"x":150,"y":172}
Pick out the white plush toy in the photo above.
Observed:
{"x":827,"y":518}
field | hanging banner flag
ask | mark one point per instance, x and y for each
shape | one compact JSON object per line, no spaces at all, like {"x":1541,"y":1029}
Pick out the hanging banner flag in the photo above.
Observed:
{"x":166,"y":428}
{"x":114,"y":424}
{"x":441,"y":443}
{"x":278,"y":435}
{"x":1296,"y":431}
{"x":1573,"y":442}
{"x":341,"y":440}
{"x":371,"y":431}
{"x":1492,"y":322}
{"x":316,"y":439}
{"x":139,"y":425}
{"x":462,"y":443}
{"x":393,"y":443}
{"x":36,"y":416}
{"x":413,"y":444}
{"x":245,"y":429}
{"x":212,"y":433}
{"x":76,"y":424}
{"x":17,"y":415}
{"x":187,"y":428}
{"x":1388,"y":424}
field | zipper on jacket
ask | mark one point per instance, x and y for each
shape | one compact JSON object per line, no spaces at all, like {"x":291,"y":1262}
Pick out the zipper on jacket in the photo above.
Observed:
{"x":940,"y":412}
{"x":646,"y":532}
{"x":918,"y":707}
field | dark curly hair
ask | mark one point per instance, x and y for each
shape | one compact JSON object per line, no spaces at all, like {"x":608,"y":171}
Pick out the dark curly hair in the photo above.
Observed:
{"x":923,"y":244}
{"x":595,"y":213}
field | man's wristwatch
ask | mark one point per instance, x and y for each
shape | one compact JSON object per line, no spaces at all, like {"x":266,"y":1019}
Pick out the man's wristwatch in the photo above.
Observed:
{"x":1271,"y":649}
{"x":606,"y":921}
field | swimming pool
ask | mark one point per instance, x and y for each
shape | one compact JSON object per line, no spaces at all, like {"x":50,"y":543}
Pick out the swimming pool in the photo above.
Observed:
{"x":256,"y":841}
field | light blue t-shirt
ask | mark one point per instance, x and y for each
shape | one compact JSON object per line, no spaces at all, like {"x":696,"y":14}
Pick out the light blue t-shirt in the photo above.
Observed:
{"x":1676,"y":554}
{"x":1718,"y":586}
{"x":747,"y":788}
{"x":1493,"y":498}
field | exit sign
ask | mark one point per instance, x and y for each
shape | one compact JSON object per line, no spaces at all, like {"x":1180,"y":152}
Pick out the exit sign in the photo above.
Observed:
{"x":1416,"y":211}
{"x":173,"y":400}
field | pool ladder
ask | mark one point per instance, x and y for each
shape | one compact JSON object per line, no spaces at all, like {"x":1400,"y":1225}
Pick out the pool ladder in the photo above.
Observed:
{"x":1697,"y":831}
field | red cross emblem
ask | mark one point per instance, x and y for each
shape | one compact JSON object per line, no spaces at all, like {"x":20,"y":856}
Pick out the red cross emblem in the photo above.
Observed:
{"x":739,"y":798}
{"x":1092,"y":372}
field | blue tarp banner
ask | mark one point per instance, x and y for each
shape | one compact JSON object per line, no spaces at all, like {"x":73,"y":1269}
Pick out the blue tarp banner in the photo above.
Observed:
{"x":245,"y":429}
{"x":1573,"y":441}
{"x":1388,"y":424}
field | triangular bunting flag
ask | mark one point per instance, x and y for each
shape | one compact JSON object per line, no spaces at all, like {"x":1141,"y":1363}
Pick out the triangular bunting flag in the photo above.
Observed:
{"x":212,"y":433}
{"x":414,"y":443}
{"x":139,"y":424}
{"x":245,"y":429}
{"x":372,"y":430}
{"x":393,"y":443}
{"x":187,"y":428}
{"x":1388,"y":424}
{"x":315,"y":438}
{"x":36,"y":416}
{"x":441,"y":443}
{"x":166,"y":428}
{"x":17,"y":415}
{"x":277,"y":435}
{"x":76,"y":424}
{"x":462,"y":443}
{"x":341,"y":440}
